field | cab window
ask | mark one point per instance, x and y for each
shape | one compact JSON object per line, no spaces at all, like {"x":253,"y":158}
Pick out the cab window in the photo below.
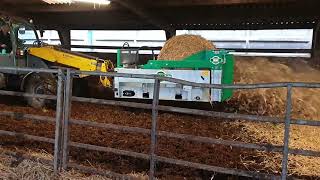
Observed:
{"x":26,"y":36}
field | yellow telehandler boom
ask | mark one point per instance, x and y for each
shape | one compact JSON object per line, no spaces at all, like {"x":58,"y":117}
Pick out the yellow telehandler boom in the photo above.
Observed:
{"x":73,"y":59}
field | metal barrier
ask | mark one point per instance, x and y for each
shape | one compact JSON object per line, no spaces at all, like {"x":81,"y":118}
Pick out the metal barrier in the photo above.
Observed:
{"x":20,"y":116}
{"x":63,"y":120}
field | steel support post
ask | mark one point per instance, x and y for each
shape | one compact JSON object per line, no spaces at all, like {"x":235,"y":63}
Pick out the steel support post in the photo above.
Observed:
{"x":58,"y":134}
{"x":287,"y":134}
{"x":65,"y":37}
{"x":66,"y":118}
{"x":155,"y":104}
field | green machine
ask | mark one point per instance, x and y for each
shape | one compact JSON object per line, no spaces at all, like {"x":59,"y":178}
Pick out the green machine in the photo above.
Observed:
{"x":209,"y":66}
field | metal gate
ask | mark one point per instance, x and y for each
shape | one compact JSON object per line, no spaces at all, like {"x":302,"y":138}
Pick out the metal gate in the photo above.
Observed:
{"x":63,"y":119}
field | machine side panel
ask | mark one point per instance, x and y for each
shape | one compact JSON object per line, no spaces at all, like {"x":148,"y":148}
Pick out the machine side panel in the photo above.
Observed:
{"x":143,"y":88}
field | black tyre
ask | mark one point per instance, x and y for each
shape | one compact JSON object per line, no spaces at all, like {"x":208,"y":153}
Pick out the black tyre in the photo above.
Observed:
{"x":40,"y":84}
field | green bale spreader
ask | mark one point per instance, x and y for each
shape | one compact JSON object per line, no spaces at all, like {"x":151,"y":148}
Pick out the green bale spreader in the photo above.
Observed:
{"x":209,"y":66}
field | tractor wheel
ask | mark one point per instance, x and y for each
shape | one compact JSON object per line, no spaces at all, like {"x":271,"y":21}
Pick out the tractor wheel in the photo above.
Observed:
{"x":40,"y":84}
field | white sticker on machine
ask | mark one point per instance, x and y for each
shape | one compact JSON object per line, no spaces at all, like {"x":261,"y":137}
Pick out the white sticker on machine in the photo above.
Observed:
{"x":216,"y":78}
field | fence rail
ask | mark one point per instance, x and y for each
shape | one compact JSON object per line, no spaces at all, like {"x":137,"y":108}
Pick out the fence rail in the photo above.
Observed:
{"x":63,"y":120}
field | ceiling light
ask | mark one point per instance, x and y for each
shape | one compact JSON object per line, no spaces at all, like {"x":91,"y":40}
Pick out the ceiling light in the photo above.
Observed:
{"x":58,"y":1}
{"x":99,"y":2}
{"x":102,"y":2}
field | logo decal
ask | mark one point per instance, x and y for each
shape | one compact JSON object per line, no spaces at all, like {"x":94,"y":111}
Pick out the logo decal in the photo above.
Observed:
{"x":215,"y":60}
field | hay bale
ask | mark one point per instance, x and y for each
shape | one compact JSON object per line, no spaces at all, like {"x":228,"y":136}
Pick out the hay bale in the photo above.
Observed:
{"x":179,"y":47}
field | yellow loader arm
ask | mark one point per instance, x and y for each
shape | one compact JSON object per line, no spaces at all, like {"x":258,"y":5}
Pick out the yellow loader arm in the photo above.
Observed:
{"x":75,"y":60}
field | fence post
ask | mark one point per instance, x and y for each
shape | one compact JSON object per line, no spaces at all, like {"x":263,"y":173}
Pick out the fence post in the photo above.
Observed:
{"x":155,"y":104}
{"x":57,"y":143}
{"x":66,"y":117}
{"x":287,"y":133}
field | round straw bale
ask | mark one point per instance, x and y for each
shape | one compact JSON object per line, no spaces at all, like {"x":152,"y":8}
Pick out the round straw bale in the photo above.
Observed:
{"x":179,"y":47}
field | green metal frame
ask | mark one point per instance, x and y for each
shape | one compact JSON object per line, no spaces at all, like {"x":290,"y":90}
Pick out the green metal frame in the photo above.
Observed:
{"x":227,"y":76}
{"x":200,"y":60}
{"x":119,"y":64}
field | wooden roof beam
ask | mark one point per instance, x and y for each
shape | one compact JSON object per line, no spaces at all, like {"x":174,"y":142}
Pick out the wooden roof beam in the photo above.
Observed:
{"x":214,"y":2}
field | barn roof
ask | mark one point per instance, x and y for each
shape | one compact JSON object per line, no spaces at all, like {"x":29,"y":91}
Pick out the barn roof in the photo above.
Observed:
{"x":169,"y":14}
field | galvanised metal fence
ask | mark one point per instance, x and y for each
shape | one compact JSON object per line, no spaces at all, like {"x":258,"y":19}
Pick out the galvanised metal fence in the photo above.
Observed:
{"x":20,"y":116}
{"x":63,"y":120}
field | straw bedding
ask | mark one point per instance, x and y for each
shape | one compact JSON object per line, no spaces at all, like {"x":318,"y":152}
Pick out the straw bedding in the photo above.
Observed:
{"x":34,"y":170}
{"x":11,"y":169}
{"x":271,"y":102}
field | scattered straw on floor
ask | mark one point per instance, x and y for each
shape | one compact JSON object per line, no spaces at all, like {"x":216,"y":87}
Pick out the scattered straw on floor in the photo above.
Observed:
{"x":32,"y":170}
